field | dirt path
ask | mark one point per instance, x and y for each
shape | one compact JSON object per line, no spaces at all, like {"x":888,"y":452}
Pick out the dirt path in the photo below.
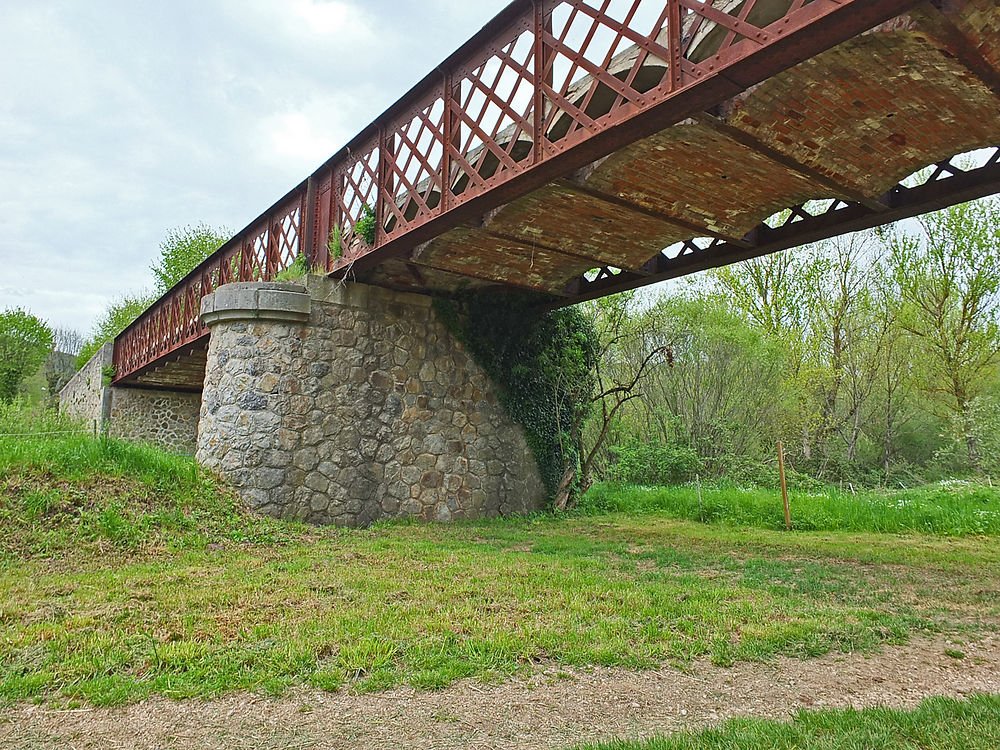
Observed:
{"x":541,"y":712}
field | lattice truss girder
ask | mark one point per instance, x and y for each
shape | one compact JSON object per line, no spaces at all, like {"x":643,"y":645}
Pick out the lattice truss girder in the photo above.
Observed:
{"x":549,"y":80}
{"x":546,"y":88}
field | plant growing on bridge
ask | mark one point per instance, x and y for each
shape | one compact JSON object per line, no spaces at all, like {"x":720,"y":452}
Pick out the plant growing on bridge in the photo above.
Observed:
{"x":336,"y":243}
{"x":367,"y":225}
{"x":299,"y":269}
{"x":25,"y":342}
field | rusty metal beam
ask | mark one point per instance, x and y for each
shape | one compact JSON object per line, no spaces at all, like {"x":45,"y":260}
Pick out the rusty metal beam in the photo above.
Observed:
{"x":948,"y":186}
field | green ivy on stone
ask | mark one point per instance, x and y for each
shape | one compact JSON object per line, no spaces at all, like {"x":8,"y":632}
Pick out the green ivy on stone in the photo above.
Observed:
{"x":541,"y":362}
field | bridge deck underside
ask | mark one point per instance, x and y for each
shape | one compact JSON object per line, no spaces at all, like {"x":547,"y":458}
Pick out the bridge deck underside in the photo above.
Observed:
{"x":847,"y":124}
{"x":182,"y":370}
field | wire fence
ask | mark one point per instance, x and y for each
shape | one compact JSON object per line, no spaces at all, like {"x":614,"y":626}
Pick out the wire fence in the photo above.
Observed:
{"x":83,"y":431}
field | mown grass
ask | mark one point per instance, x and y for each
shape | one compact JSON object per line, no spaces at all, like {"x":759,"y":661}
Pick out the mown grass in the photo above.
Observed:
{"x":952,"y":508}
{"x":125,"y":572}
{"x":972,"y":724}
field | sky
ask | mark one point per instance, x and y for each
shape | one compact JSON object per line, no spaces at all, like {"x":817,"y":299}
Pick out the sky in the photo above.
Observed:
{"x":122,"y":119}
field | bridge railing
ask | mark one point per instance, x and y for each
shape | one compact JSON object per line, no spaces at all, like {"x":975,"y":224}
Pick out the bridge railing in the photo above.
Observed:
{"x":547,"y":87}
{"x":258,"y":253}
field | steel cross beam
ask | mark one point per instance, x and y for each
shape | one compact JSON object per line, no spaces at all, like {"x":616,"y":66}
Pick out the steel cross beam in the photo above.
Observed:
{"x":946,"y":184}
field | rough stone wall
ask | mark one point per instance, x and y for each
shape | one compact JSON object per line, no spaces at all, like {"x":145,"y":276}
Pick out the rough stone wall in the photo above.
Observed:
{"x":167,"y":419}
{"x":85,"y":397}
{"x":369,"y":410}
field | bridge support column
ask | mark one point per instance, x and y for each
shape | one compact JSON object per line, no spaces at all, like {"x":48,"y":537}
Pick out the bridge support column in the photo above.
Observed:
{"x":345,"y":404}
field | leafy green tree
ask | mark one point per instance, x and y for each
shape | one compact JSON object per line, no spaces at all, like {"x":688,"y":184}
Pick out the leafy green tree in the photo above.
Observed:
{"x":116,"y":318}
{"x":949,"y":279}
{"x":182,"y":249}
{"x":25,"y":342}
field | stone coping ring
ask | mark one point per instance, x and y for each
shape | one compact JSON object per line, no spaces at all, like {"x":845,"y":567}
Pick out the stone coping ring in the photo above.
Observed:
{"x":256,"y":301}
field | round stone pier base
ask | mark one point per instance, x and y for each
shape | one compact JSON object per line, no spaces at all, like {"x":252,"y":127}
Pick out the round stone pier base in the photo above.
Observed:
{"x":345,"y":404}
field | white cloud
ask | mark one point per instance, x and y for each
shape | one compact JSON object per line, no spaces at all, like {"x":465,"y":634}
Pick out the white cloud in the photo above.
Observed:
{"x":332,"y":18}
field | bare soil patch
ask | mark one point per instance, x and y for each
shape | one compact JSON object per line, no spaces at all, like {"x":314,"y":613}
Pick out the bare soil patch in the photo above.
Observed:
{"x":555,"y":708}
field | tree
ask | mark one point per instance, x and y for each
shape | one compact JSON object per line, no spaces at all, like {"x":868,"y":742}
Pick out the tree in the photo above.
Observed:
{"x":67,"y":343}
{"x":722,"y":393}
{"x":949,"y":279}
{"x":182,"y":249}
{"x":622,"y":362}
{"x":118,"y":316}
{"x":25,"y":341}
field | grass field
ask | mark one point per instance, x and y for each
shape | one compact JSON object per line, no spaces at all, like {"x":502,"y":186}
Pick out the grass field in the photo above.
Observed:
{"x":125,"y":572}
{"x":938,"y":723}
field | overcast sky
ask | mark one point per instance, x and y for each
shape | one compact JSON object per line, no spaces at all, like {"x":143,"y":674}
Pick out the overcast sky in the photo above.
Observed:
{"x":121,"y":119}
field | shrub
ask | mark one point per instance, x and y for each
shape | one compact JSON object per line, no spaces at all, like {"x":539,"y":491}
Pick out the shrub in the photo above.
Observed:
{"x":367,"y":225}
{"x":638,"y":462}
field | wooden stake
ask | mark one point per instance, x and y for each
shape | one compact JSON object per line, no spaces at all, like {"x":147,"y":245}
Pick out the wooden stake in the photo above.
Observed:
{"x":784,"y":485}
{"x":701,"y":513}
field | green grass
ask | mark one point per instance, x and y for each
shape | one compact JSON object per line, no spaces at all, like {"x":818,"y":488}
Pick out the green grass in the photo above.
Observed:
{"x":953,"y":509}
{"x":938,"y":723}
{"x":63,"y":490}
{"x":125,"y":572}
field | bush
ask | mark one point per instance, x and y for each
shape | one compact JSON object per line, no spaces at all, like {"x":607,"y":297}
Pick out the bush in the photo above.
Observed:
{"x":638,"y":462}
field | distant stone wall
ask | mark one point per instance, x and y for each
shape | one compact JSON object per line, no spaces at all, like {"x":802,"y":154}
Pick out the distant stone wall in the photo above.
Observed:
{"x":167,"y":419}
{"x":364,"y":408}
{"x":85,"y":396}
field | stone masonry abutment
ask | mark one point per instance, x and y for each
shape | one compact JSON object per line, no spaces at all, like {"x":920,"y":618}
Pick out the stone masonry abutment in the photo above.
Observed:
{"x":163,"y":417}
{"x":344,"y":404}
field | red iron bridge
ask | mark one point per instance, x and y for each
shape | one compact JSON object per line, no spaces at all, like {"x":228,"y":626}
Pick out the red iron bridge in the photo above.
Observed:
{"x":577,"y":148}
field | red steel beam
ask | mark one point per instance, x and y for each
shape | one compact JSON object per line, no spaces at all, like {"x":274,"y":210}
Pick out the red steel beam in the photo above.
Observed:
{"x":947,"y":185}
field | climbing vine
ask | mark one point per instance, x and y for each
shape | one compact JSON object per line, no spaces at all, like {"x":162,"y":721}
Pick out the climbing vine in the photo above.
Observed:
{"x":542,"y":363}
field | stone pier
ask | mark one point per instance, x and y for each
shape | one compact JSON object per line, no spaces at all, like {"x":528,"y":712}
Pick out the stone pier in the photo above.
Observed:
{"x":331,"y":403}
{"x":345,"y":404}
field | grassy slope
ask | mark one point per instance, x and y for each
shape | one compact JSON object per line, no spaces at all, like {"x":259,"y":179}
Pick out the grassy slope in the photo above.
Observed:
{"x":938,"y":723}
{"x":124,"y":572}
